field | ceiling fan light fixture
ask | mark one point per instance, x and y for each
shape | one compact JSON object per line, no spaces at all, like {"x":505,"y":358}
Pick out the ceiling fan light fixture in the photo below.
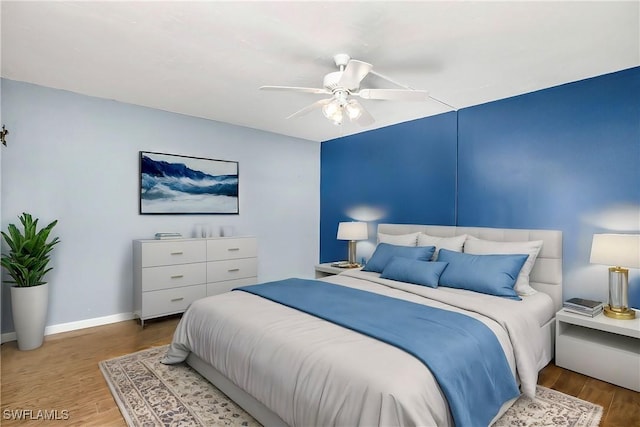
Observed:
{"x":353,"y":109}
{"x":330,"y":109}
{"x":333,"y":111}
{"x":336,"y":117}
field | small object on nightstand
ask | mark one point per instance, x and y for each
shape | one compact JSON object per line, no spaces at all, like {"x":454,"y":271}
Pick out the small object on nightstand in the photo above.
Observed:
{"x":345,"y":264}
{"x":583,"y":306}
{"x":329,"y":269}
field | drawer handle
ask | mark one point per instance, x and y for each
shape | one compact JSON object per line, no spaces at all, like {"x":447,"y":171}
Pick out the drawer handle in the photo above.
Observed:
{"x":233,"y":249}
{"x":177,"y":276}
{"x":176,"y":299}
{"x":233,"y":270}
{"x":177,"y":253}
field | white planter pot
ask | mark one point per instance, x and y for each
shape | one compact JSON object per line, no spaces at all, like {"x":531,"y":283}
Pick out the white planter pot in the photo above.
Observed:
{"x":29,"y":306}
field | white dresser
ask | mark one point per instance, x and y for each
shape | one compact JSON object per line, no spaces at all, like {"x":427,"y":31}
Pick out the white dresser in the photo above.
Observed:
{"x":168,"y":275}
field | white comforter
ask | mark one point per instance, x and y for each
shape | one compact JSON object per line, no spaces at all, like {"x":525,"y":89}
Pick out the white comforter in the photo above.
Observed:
{"x":311,"y":372}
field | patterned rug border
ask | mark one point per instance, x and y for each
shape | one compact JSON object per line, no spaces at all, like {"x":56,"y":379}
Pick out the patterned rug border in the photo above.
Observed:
{"x":133,"y":380}
{"x":209,"y":405}
{"x":112,"y":388}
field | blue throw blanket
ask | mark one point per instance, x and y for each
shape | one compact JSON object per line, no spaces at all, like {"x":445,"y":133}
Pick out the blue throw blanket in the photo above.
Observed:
{"x":463,"y":354}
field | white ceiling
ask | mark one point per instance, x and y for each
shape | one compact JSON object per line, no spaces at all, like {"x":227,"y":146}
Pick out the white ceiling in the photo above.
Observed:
{"x":208,"y":59}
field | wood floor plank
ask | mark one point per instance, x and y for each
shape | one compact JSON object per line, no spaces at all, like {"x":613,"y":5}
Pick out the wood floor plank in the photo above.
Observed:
{"x":570,"y":383}
{"x":549,"y":375}
{"x":625,"y":409}
{"x":600,"y":393}
{"x":63,"y":375}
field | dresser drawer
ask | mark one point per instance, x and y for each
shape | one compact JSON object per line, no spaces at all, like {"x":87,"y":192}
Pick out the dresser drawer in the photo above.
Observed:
{"x":173,"y":252}
{"x":222,"y":287}
{"x":231,"y":248}
{"x":173,"y":276}
{"x":218,"y":271}
{"x":169,"y":301}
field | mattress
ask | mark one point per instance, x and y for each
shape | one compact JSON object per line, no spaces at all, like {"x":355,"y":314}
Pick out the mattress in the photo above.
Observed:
{"x":311,"y":372}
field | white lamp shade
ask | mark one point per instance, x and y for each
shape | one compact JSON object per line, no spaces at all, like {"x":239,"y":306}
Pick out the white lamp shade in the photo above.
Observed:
{"x":352,"y":231}
{"x":620,"y":250}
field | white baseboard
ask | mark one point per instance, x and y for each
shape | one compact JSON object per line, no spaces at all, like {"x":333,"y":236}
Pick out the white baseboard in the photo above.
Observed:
{"x":73,"y":326}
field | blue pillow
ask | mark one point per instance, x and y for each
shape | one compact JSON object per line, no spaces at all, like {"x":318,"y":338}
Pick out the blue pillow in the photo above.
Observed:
{"x":488,"y":274}
{"x":385,"y":251}
{"x":414,"y":271}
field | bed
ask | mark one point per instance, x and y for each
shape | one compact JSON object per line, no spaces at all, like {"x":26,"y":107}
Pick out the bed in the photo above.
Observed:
{"x":287,"y":367}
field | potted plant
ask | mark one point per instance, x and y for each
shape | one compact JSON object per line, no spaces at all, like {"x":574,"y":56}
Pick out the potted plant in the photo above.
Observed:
{"x":27,"y":263}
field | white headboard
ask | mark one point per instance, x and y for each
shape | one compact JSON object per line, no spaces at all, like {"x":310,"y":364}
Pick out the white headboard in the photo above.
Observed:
{"x":546,"y":275}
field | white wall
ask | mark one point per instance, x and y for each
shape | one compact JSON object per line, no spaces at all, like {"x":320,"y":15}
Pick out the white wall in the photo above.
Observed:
{"x":75,"y":158}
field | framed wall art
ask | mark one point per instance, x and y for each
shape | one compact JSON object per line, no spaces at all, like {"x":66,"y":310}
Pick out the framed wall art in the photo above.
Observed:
{"x":175,"y":184}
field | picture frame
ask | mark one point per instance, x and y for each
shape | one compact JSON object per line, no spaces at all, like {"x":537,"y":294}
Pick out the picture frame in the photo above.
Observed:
{"x":178,"y":184}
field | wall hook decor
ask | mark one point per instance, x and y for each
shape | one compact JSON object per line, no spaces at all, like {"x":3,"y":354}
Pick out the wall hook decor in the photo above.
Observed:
{"x":3,"y":135}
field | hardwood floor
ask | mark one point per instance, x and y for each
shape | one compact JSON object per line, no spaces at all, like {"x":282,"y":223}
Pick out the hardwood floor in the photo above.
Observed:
{"x":621,"y":405}
{"x":63,"y":374}
{"x":63,"y":378}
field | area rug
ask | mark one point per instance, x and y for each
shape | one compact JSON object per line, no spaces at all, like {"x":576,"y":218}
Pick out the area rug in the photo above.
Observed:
{"x":149,"y":393}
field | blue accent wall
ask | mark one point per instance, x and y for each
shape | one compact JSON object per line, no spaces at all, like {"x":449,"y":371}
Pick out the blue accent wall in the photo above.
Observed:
{"x":403,"y":173}
{"x":565,"y":158}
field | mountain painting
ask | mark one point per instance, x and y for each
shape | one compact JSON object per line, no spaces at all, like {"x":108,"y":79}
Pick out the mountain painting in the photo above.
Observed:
{"x":174,"y":184}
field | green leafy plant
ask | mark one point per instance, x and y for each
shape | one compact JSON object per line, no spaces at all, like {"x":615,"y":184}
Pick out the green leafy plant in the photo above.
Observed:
{"x":29,"y":252}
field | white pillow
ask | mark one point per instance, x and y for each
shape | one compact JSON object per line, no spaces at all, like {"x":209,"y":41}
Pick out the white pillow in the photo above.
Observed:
{"x":399,"y":239}
{"x":451,"y":243}
{"x":532,"y":248}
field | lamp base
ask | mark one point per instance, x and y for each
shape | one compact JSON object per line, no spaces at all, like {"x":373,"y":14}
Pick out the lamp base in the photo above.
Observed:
{"x":352,"y":252}
{"x":620,"y":314}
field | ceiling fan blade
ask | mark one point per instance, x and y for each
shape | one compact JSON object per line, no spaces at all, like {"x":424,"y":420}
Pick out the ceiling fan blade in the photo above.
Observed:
{"x":394,"y":94}
{"x":353,"y":74}
{"x":296,"y":89}
{"x":309,"y":108}
{"x":365,"y":118}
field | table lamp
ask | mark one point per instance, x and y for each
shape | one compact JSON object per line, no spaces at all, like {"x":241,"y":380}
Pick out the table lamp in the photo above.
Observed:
{"x":352,"y":231}
{"x":619,"y":250}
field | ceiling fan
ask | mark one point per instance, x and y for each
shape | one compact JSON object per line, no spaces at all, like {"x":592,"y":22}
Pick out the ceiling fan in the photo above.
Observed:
{"x":343,"y":85}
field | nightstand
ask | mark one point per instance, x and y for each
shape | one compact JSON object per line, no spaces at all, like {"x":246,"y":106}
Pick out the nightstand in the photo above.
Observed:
{"x":325,"y":269}
{"x":600,"y":347}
